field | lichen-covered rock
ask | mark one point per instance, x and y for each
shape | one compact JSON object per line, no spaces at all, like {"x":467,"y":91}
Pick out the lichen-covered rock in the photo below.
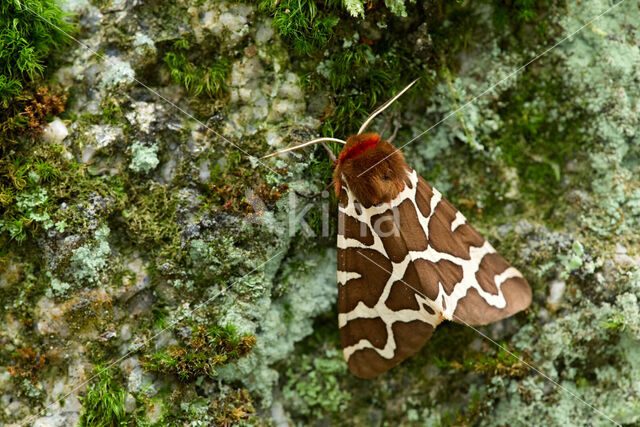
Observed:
{"x":158,"y":270}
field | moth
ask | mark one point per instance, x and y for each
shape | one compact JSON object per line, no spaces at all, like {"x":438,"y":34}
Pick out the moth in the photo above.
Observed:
{"x":407,"y":259}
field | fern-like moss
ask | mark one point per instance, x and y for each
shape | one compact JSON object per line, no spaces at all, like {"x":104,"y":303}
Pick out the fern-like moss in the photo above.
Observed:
{"x":302,"y":23}
{"x":29,"y":31}
{"x":203,"y":351}
{"x":104,"y":402}
{"x":197,"y":78}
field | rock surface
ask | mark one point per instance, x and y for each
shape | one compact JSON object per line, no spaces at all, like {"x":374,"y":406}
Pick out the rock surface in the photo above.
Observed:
{"x":175,"y":226}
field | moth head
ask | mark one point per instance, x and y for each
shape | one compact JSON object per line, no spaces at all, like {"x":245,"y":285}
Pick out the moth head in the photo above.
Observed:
{"x":372,"y":169}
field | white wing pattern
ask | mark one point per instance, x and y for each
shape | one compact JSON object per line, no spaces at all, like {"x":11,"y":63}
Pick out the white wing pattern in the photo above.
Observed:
{"x":405,"y":266}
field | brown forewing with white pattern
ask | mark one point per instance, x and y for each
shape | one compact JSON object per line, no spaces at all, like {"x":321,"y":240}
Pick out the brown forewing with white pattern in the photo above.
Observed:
{"x":407,"y":260}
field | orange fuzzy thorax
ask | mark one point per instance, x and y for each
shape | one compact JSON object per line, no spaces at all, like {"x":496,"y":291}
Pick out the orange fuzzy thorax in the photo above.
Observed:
{"x":358,"y":149}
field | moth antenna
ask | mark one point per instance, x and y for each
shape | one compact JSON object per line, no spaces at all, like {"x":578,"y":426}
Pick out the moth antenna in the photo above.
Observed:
{"x":313,"y":141}
{"x":384,"y":106}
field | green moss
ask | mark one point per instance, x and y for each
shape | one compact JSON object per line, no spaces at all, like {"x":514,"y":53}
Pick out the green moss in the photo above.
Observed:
{"x":25,"y":368}
{"x":104,"y":402}
{"x":542,"y":133}
{"x":362,"y":65}
{"x":519,"y":13}
{"x":217,"y":261}
{"x":201,"y":353}
{"x":361,"y":79}
{"x":150,"y":219}
{"x":25,"y":172}
{"x":30,"y":211}
{"x":26,"y":40}
{"x":307,"y":27}
{"x":505,"y":362}
{"x":199,"y":76}
{"x":229,"y":407}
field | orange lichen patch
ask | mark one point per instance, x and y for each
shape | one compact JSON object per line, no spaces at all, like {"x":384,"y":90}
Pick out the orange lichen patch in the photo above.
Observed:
{"x":27,"y":363}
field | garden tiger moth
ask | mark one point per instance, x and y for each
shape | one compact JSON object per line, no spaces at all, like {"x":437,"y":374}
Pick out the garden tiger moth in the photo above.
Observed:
{"x":407,"y":259}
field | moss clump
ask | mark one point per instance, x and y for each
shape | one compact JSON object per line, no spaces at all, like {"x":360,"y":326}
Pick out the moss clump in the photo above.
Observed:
{"x":202,"y":351}
{"x":353,"y":67}
{"x":357,"y":72}
{"x":233,"y":408}
{"x":520,"y":13}
{"x":228,"y":407}
{"x":187,"y":68}
{"x":28,"y":113}
{"x":104,"y":402}
{"x":305,"y":26}
{"x":150,"y":218}
{"x":24,"y":201}
{"x":504,"y":363}
{"x":30,"y":208}
{"x":24,"y":282}
{"x":228,"y":184}
{"x":26,"y":40}
{"x":542,"y":133}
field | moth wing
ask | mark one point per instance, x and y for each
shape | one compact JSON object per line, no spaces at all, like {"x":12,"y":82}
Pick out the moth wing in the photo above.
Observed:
{"x":405,"y":266}
{"x":468,"y":280}
{"x":383,"y":316}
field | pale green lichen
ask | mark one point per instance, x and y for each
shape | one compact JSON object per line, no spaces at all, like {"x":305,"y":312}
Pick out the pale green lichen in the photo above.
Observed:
{"x":32,"y":206}
{"x":279,"y":324}
{"x":143,"y":158}
{"x":58,"y":287}
{"x":312,"y":387}
{"x":89,"y":260}
{"x":397,"y":7}
{"x":355,"y":8}
{"x":573,"y":260}
{"x":575,"y":341}
{"x":117,"y":72}
{"x":60,"y":226}
{"x":31,"y":389}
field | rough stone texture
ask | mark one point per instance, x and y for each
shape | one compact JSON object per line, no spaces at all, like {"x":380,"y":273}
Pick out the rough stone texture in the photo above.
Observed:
{"x":179,"y":244}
